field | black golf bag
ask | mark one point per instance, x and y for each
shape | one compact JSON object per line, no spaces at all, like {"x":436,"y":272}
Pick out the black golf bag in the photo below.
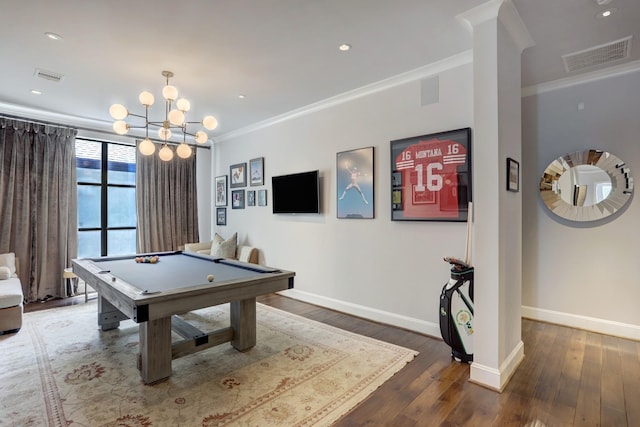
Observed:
{"x":456,"y":311}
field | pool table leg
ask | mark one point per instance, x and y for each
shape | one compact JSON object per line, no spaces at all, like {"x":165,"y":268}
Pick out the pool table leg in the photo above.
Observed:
{"x":243,"y":322}
{"x":155,"y":350}
{"x":109,"y":316}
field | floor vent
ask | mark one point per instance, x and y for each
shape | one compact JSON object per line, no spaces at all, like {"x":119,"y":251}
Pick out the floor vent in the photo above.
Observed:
{"x":48,"y":75}
{"x":598,"y":55}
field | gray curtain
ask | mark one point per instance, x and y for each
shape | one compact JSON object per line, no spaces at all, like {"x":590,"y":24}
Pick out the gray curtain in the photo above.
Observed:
{"x":38,"y":203}
{"x":166,"y":202}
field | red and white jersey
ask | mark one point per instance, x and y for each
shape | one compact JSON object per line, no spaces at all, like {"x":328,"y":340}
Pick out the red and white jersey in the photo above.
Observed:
{"x":430,"y":178}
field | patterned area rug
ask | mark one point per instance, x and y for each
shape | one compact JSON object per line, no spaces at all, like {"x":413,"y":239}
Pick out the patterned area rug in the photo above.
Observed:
{"x":60,"y":370}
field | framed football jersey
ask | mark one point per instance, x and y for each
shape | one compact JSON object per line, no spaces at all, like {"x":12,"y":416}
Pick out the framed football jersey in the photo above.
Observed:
{"x":431,"y":177}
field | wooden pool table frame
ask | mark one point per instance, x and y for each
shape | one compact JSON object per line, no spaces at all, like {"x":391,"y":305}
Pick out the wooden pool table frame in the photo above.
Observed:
{"x":156,"y":313}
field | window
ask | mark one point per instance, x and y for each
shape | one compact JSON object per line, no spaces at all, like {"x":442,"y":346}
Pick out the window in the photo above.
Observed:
{"x":106,"y":198}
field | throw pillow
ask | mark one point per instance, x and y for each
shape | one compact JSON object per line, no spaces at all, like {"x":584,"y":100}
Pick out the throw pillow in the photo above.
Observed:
{"x":224,"y":248}
{"x":5,"y":273}
{"x":9,"y":260}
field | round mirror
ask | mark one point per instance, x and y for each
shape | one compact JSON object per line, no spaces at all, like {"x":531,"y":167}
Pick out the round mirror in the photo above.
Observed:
{"x":586,"y":185}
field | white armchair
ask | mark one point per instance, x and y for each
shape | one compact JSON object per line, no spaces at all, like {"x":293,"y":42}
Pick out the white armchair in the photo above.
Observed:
{"x":11,"y":296}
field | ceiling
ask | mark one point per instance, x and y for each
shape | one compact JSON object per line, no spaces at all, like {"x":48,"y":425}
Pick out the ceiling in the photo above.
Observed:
{"x":281,"y":55}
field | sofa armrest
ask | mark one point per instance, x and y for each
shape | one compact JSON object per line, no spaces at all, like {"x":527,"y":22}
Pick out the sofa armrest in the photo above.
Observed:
{"x":197,"y":247}
{"x":247,"y":254}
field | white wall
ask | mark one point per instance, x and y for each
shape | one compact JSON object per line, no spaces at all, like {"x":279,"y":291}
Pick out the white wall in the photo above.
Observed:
{"x":582,"y":274}
{"x":390,"y":271}
{"x":576,"y":274}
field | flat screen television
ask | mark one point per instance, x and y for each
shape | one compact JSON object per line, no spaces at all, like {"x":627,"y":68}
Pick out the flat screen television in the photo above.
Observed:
{"x":296,"y":193}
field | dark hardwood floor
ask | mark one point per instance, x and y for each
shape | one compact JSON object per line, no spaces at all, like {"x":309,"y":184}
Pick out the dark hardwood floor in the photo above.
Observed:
{"x":569,"y":377}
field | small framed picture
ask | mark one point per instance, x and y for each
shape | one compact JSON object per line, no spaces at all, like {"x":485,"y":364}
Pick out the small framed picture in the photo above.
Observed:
{"x":221,"y":216}
{"x":221,"y":190}
{"x":237,"y":199}
{"x":513,"y":175}
{"x":238,"y":175}
{"x":262,"y":197}
{"x":256,"y":171}
{"x":251,"y":198}
{"x":396,"y":200}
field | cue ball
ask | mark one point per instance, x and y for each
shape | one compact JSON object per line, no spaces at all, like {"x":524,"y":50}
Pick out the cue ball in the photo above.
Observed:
{"x":210,"y":277}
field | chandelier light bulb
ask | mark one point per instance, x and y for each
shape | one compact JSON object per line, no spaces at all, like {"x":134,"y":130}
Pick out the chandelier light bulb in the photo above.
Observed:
{"x":147,"y":147}
{"x":165,"y":154}
{"x":118,"y":111}
{"x":120,"y":127}
{"x":164,"y":134}
{"x":201,"y":137}
{"x":183,"y":105}
{"x":210,"y":122}
{"x":146,"y":98}
{"x":170,"y":93}
{"x":176,"y":117}
{"x":183,"y":150}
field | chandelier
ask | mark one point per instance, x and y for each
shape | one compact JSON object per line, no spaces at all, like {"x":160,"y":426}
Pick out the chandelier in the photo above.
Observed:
{"x":174,"y":119}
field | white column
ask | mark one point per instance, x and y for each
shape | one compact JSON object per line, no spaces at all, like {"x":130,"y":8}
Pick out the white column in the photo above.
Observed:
{"x":499,"y":36}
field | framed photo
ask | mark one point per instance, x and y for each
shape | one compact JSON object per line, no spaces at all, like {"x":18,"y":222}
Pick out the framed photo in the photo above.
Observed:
{"x":431,"y":177}
{"x":237,"y":199}
{"x":238,"y":175}
{"x":221,"y":190}
{"x":513,"y":175}
{"x":262,"y":197}
{"x":354,"y":170}
{"x":251,"y":198}
{"x":396,"y":199}
{"x":256,"y":171}
{"x":221,"y":216}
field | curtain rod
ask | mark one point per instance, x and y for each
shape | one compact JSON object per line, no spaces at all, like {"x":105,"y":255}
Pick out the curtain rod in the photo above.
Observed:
{"x":136,"y":139}
{"x":36,"y":122}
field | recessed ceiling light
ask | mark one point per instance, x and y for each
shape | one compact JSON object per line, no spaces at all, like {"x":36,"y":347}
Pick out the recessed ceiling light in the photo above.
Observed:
{"x":53,"y":36}
{"x":344,"y":47}
{"x":606,"y":13}
{"x":36,"y":92}
{"x":241,"y":96}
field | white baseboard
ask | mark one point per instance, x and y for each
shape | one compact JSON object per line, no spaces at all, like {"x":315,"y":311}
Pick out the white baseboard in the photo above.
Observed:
{"x":608,"y":327}
{"x":496,"y":379}
{"x":602,"y":326}
{"x":417,"y":325}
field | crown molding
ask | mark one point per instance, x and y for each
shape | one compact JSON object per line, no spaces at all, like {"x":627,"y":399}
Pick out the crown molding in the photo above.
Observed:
{"x":480,"y":13}
{"x":506,"y":13}
{"x":614,"y":71}
{"x":429,"y":70}
{"x":514,"y":24}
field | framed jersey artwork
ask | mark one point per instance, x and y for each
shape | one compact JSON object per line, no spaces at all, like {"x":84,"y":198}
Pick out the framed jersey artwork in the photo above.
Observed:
{"x":431,"y":177}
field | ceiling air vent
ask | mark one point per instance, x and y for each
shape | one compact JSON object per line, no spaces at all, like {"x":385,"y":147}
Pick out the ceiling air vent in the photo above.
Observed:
{"x":598,"y":55}
{"x":48,"y":75}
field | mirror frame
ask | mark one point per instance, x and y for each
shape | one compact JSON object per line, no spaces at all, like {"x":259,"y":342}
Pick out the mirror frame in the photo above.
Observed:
{"x":618,"y":172}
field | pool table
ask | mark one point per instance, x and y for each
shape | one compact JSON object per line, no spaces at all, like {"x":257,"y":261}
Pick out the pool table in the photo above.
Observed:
{"x":153,"y":294}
